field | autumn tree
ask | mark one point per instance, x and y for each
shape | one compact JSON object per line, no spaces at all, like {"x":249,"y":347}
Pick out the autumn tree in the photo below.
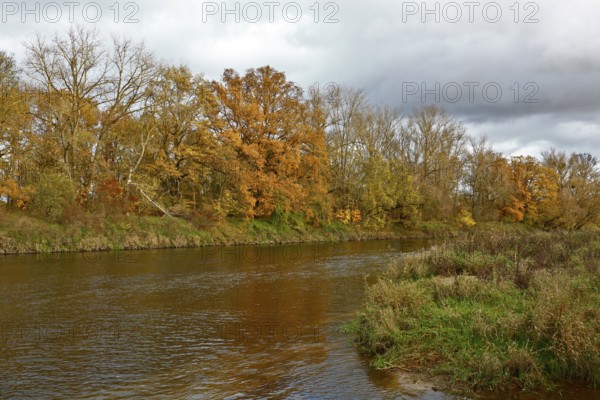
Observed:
{"x":369,"y":174}
{"x":84,"y":89}
{"x":487,"y":180}
{"x":279,"y":153}
{"x":15,"y":143}
{"x":387,"y":187}
{"x":534,"y":192}
{"x":578,"y":188}
{"x":185,"y":150}
{"x":344,"y":110}
{"x":434,"y":144}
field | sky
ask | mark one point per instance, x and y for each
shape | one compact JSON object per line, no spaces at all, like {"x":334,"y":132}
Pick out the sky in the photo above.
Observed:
{"x":525,"y":74}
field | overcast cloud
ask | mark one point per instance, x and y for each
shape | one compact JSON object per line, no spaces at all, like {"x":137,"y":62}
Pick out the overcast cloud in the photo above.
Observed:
{"x":384,"y":48}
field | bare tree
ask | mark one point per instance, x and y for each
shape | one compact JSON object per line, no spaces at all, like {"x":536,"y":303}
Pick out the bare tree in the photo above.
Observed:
{"x":84,"y":90}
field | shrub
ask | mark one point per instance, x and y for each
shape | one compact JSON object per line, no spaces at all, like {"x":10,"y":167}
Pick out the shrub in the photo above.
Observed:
{"x":53,"y":195}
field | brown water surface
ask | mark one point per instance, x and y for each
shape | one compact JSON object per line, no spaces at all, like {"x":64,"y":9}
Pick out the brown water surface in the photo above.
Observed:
{"x":237,"y":322}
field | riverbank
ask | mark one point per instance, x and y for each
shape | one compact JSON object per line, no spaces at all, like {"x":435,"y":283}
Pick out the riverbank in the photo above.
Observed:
{"x":490,"y":312}
{"x":23,"y":234}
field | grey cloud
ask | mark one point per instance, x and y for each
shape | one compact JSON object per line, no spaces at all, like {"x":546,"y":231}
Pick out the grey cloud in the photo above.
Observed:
{"x":372,"y":48}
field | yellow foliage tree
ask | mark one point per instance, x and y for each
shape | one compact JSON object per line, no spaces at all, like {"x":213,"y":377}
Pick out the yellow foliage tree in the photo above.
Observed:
{"x":534,"y":190}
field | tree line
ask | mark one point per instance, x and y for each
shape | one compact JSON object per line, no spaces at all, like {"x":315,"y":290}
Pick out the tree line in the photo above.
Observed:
{"x":107,"y":128}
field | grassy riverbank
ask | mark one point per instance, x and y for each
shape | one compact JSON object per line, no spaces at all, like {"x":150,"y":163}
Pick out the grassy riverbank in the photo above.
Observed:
{"x":21,"y":233}
{"x":491,"y":312}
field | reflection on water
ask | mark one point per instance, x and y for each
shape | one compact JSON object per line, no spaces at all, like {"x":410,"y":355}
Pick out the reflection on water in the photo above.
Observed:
{"x":237,"y":322}
{"x":234,"y":322}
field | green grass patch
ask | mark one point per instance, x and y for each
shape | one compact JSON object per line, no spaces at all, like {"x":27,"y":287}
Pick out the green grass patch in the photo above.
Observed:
{"x":490,"y":312}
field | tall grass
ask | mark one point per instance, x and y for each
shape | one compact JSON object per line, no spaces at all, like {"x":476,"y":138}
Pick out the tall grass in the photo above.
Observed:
{"x":491,"y":311}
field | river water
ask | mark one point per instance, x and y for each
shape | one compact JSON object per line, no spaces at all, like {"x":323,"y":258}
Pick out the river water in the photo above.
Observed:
{"x":234,"y":322}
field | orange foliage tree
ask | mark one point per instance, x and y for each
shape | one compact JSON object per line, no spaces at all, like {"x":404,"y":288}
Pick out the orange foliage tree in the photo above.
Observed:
{"x":278,"y":145}
{"x":534,"y":190}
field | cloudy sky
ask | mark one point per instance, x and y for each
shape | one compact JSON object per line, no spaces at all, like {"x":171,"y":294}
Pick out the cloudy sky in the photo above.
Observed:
{"x":526,"y":74}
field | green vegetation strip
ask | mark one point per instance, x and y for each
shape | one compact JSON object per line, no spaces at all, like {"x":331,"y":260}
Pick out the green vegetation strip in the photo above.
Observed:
{"x":490,"y":312}
{"x":21,"y":233}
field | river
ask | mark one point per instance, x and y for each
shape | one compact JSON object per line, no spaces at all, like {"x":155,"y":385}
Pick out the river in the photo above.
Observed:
{"x":232,"y":322}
